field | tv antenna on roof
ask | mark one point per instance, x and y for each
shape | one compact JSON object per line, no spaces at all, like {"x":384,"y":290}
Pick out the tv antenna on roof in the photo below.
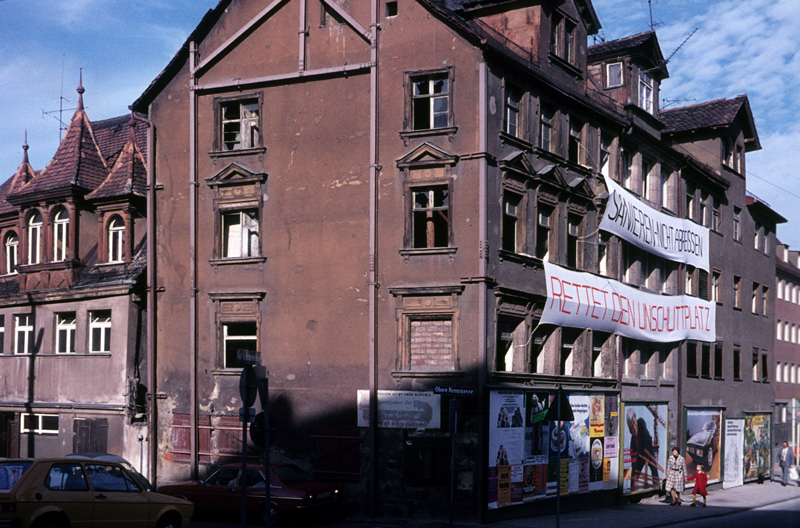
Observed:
{"x":653,"y":25}
{"x":62,"y":126}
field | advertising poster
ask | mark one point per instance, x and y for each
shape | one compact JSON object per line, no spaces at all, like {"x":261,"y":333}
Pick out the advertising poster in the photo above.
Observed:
{"x":402,"y":409}
{"x":507,"y":445}
{"x":597,"y":417}
{"x":703,"y":442}
{"x":579,"y":427}
{"x":734,"y":462}
{"x":644,"y":452}
{"x":756,"y":445}
{"x":538,"y":429}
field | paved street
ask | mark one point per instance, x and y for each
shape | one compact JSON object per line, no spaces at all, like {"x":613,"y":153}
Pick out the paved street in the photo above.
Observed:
{"x":764,"y":505}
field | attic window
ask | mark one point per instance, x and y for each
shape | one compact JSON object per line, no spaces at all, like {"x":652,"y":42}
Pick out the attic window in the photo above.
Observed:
{"x":240,"y":127}
{"x":646,"y":92}
{"x":613,"y":74}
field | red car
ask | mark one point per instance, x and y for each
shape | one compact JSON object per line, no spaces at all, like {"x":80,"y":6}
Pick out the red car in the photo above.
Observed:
{"x":291,"y":489}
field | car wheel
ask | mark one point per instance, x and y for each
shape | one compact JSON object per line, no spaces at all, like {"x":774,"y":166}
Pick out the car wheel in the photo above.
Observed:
{"x":269,"y":514}
{"x":169,"y":521}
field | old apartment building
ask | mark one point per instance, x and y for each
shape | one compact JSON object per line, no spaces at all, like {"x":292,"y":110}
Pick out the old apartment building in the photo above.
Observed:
{"x":72,"y":356}
{"x":787,"y":345}
{"x":397,"y":206}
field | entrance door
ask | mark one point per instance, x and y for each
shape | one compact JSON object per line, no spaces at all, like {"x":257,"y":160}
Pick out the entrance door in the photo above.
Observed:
{"x":9,"y":435}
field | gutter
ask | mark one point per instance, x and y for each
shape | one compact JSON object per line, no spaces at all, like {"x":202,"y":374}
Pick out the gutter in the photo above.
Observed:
{"x":373,"y":283}
{"x":193,"y":257}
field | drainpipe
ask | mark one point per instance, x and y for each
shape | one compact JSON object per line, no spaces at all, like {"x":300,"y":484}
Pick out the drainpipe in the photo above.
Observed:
{"x":152,"y":287}
{"x":482,"y":293}
{"x":373,"y":283}
{"x":193,"y":254}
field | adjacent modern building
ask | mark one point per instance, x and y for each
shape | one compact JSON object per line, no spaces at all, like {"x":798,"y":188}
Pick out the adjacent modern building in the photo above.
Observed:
{"x":787,"y":346}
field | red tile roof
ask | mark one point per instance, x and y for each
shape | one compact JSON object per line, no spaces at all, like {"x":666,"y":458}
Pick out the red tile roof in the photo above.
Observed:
{"x":720,"y":112}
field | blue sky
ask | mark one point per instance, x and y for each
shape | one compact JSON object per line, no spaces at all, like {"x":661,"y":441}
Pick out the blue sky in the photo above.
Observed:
{"x":741,"y":46}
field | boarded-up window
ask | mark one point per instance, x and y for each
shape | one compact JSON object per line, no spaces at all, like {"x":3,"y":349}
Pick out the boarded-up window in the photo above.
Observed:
{"x":431,"y":344}
{"x":90,"y":435}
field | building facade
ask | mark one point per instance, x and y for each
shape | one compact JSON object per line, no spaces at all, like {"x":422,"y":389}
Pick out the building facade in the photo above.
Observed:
{"x":787,"y":352}
{"x":72,"y":295}
{"x":376,"y":199}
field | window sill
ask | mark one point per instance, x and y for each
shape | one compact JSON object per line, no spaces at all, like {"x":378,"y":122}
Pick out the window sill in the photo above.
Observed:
{"x":237,"y":261}
{"x":237,"y":152}
{"x":227,"y":372}
{"x":666,"y":382}
{"x":53,"y":355}
{"x":399,"y":374}
{"x":446,"y":131}
{"x":527,"y":261}
{"x":48,"y":266}
{"x":566,"y":65}
{"x":408,"y":253}
{"x":514,"y":141}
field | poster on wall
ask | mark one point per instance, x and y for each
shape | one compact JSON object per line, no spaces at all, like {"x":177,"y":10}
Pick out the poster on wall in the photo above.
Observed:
{"x":525,"y":461}
{"x":734,"y":461}
{"x":756,"y":449}
{"x":703,"y":442}
{"x":644,"y":449}
{"x":402,"y":409}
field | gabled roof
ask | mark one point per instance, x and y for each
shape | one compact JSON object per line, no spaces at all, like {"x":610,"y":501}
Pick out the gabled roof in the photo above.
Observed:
{"x":764,"y":210}
{"x":128,"y":177}
{"x":585,"y":9}
{"x":78,"y":162}
{"x":637,"y":47}
{"x":720,"y":113}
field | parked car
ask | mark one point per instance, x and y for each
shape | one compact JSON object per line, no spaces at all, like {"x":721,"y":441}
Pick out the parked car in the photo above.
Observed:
{"x":108,"y":457}
{"x":69,"y":492}
{"x":291,"y":490}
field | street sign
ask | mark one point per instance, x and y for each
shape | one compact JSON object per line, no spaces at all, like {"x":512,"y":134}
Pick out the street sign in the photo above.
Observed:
{"x":248,"y":386}
{"x":247,"y":412}
{"x":454,"y":391}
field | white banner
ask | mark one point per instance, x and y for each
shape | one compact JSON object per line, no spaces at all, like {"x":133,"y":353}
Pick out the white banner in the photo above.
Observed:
{"x":734,"y":459}
{"x":583,"y":300}
{"x":673,"y":238}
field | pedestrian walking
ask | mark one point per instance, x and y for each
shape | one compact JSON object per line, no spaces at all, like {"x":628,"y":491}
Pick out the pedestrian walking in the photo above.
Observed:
{"x":784,"y":458}
{"x":700,"y":479}
{"x":676,"y":474}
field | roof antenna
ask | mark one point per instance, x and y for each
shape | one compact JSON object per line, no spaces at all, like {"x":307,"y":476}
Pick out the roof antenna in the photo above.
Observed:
{"x":62,"y":126}
{"x":681,"y":45}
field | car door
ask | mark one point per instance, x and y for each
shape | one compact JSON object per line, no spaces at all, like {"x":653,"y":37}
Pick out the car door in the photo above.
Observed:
{"x":220,"y":491}
{"x":65,"y":488}
{"x":118,"y":499}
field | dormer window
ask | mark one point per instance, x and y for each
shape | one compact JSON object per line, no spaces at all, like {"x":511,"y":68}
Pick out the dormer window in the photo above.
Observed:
{"x":614,"y":74}
{"x":116,"y":239}
{"x":60,"y":235}
{"x":563,"y":39}
{"x":646,"y":92}
{"x":12,"y":252}
{"x":35,"y":238}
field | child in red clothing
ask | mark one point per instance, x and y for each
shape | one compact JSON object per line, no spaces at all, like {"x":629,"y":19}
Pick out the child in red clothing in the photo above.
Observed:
{"x":700,"y":479}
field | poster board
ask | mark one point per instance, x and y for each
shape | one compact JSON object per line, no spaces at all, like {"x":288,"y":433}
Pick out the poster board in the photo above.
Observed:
{"x":734,"y":461}
{"x":645,"y":436}
{"x":703,"y":444}
{"x":756,"y":449}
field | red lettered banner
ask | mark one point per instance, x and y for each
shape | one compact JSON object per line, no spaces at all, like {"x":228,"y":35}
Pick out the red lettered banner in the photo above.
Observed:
{"x":584,"y":300}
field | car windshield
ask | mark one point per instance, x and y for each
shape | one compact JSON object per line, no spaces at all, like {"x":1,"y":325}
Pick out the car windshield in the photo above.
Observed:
{"x":11,"y":472}
{"x":291,"y":474}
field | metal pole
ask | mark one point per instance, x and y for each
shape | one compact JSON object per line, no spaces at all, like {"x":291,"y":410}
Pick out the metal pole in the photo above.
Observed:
{"x":558,"y":465}
{"x":242,"y":480}
{"x":265,"y":409}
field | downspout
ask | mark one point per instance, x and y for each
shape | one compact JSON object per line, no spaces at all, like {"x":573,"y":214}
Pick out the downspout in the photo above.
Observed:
{"x":193,"y":254}
{"x":151,"y":302}
{"x":373,"y":283}
{"x":482,"y":293}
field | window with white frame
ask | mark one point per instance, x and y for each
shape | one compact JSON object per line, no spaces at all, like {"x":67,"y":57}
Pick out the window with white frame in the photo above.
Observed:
{"x":35,"y":223}
{"x":12,"y":252}
{"x":23,"y":334}
{"x":764,"y":300}
{"x":430,"y":101}
{"x":60,"y":235}
{"x":737,"y":224}
{"x":237,"y":338}
{"x":716,"y":286}
{"x":666,"y":189}
{"x":65,"y":333}
{"x":755,"y":298}
{"x":513,"y":125}
{"x":614,"y":74}
{"x":778,"y":372}
{"x":647,"y":169}
{"x":240,"y":233}
{"x":779,"y":330}
{"x":46,"y":424}
{"x":781,"y":286}
{"x":116,"y":239}
{"x":646,"y":92}
{"x":737,"y":292}
{"x":100,"y":331}
{"x":2,"y":334}
{"x":240,"y":128}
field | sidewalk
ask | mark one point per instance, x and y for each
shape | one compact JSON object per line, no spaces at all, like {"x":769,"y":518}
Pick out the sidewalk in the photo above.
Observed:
{"x":650,"y":512}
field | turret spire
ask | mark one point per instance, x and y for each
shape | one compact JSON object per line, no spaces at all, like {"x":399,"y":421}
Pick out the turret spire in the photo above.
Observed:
{"x":80,"y":91}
